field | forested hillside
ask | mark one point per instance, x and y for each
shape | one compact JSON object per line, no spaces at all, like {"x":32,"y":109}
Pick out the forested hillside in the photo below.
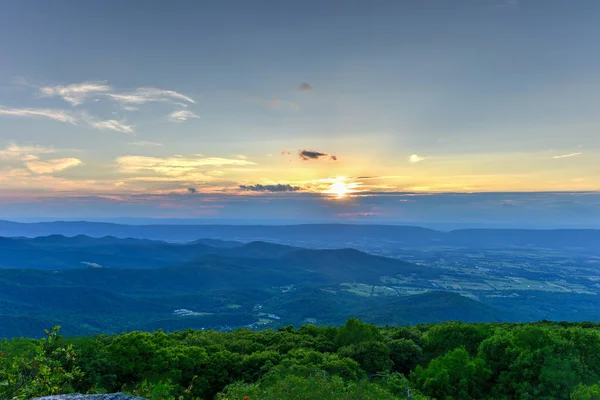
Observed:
{"x":111,"y":285}
{"x":451,"y":360}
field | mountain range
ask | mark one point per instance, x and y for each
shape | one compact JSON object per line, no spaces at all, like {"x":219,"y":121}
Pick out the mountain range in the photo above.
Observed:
{"x":91,"y":285}
{"x":110,"y":284}
{"x":326,"y":234}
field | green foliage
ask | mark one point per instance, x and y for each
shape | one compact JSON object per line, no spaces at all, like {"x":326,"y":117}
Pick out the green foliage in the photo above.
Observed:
{"x":442,"y":338}
{"x":405,"y":355}
{"x":583,"y":392}
{"x":358,"y":360}
{"x":315,"y":387}
{"x":355,"y":332}
{"x":540,"y":362}
{"x":50,"y":369}
{"x":454,"y":375}
{"x":373,"y":357}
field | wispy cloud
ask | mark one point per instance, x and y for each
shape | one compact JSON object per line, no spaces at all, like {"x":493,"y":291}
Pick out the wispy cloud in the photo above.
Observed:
{"x":145,"y":143}
{"x":567,"y":155}
{"x":182,"y":115}
{"x":75,"y":93}
{"x":23,"y":153}
{"x":149,"y":95}
{"x":314,"y":155}
{"x":64,"y":116}
{"x":270,"y":188}
{"x":52,"y":166}
{"x":57,"y":115}
{"x":415,"y":158}
{"x":78,"y":93}
{"x":112,"y":125}
{"x":173,"y":166}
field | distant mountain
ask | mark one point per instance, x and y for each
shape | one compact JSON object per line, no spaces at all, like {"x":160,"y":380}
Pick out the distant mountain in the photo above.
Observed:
{"x":187,"y":233}
{"x":321,"y":235}
{"x":224,"y":244}
{"x":57,"y":252}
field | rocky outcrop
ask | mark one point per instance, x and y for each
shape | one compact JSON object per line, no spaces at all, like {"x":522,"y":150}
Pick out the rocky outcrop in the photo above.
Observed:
{"x":113,"y":396}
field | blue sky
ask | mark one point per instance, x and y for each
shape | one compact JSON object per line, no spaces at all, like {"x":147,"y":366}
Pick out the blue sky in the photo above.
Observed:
{"x":196,"y":109}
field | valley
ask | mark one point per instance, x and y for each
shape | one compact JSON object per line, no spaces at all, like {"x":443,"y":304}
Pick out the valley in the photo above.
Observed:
{"x":109,"y":284}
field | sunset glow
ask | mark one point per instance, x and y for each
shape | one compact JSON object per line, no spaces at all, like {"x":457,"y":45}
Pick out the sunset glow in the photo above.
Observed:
{"x":285,"y":119}
{"x":339,"y":188}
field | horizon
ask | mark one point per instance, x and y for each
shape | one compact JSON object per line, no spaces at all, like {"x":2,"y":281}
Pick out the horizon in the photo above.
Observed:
{"x":188,"y":222}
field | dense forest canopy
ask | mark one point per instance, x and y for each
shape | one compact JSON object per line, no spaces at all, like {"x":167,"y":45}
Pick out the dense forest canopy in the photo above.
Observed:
{"x":453,"y":360}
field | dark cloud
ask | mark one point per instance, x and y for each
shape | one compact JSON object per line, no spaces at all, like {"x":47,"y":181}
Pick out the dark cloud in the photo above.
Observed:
{"x":311,"y":155}
{"x":270,"y":188}
{"x":305,"y":87}
{"x":314,"y":155}
{"x":192,"y":190}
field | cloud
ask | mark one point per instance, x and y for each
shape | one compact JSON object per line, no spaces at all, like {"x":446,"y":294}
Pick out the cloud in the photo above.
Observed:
{"x":173,"y":166}
{"x":63,"y":116}
{"x":57,"y":115}
{"x":26,"y":159}
{"x":75,"y":93}
{"x":270,"y":188}
{"x":182,"y":115}
{"x":314,"y":155}
{"x":78,"y":93}
{"x":311,"y":155}
{"x":51,"y":166}
{"x":305,"y":87}
{"x":567,"y":155}
{"x":145,"y":143}
{"x":191,"y":190}
{"x":111,"y":124}
{"x":23,"y":153}
{"x":149,"y":95}
{"x":415,"y":158}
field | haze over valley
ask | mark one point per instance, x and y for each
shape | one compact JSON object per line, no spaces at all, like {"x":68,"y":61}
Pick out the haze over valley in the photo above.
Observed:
{"x":236,"y":276}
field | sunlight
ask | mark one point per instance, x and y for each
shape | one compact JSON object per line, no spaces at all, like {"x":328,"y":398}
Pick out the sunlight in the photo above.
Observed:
{"x":339,"y":188}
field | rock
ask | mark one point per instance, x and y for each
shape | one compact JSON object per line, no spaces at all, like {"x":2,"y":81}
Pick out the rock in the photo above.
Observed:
{"x":113,"y":396}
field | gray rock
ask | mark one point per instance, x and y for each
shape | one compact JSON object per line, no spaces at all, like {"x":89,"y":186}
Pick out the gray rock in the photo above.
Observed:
{"x":113,"y":396}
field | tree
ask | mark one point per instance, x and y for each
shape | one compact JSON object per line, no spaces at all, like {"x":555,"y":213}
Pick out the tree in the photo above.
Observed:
{"x":373,"y":357}
{"x":51,"y":370}
{"x":454,"y":375}
{"x":583,"y":392}
{"x":316,"y":387}
{"x":405,"y":355}
{"x":442,"y":338}
{"x":356,"y":331}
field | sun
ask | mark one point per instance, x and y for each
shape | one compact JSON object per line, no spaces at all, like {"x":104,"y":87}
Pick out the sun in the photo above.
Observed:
{"x":339,"y":188}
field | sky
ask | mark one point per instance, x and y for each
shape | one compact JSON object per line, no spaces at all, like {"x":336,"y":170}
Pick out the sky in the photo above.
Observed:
{"x":346,"y":111}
